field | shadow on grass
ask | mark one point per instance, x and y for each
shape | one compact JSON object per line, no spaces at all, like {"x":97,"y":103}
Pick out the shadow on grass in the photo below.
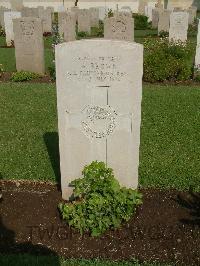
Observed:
{"x":52,"y":144}
{"x":191,"y":202}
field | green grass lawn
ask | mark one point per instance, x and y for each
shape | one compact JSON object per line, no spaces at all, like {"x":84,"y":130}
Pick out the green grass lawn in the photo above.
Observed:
{"x":169,"y":152}
{"x":27,"y":260}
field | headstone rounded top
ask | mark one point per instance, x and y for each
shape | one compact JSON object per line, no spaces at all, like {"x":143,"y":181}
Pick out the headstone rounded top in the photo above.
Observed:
{"x":100,"y":42}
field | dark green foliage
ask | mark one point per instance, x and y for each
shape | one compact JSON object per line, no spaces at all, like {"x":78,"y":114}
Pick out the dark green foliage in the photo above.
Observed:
{"x":2,"y":32}
{"x":140,"y":22}
{"x":56,"y":39}
{"x":24,"y":76}
{"x":100,"y":203}
{"x":163,"y":34}
{"x":82,"y":34}
{"x":52,"y":71}
{"x":110,"y":13}
{"x":166,"y":61}
{"x":98,"y":32}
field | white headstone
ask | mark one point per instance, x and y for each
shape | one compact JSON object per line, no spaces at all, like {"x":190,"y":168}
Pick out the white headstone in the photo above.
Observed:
{"x":8,"y":21}
{"x":84,"y":20}
{"x":197,"y":57}
{"x":155,"y":17}
{"x":141,"y":6}
{"x":148,"y":10}
{"x":103,"y":11}
{"x":2,"y":10}
{"x":67,"y":26}
{"x":164,"y":20}
{"x":46,"y":16}
{"x":178,"y":26}
{"x":126,"y":9}
{"x":192,"y":11}
{"x":16,"y":5}
{"x":94,"y":15}
{"x":29,"y":44}
{"x":99,"y":92}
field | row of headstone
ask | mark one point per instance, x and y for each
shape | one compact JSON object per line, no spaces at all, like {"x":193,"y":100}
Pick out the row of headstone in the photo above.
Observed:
{"x":154,"y":11}
{"x":44,"y":14}
{"x":120,"y":26}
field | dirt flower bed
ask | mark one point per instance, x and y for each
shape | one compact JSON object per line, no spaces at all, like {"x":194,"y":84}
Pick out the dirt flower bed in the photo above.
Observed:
{"x":6,"y":77}
{"x":166,"y":228}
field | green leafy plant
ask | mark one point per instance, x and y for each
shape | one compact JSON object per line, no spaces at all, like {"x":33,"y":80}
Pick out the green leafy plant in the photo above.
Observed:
{"x":2,"y":32}
{"x":167,"y":61}
{"x":56,"y":39}
{"x":99,"y":203}
{"x":140,"y":22}
{"x":98,"y":31}
{"x":163,"y":34}
{"x":82,"y":34}
{"x":110,"y":13}
{"x":24,"y":76}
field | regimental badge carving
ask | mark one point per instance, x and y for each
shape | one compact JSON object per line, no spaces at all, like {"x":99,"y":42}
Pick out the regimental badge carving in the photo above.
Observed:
{"x":98,"y":121}
{"x":119,"y":27}
{"x":27,"y":29}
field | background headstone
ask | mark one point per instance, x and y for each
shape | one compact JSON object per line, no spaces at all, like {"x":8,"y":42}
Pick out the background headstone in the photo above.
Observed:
{"x":155,"y":17}
{"x":8,"y":21}
{"x":119,"y":27}
{"x":75,"y":9}
{"x":103,"y":11}
{"x":178,"y":26}
{"x":164,"y":20}
{"x":94,"y":15}
{"x":30,"y":12}
{"x":192,"y":11}
{"x":84,"y":20}
{"x":141,"y":7}
{"x":99,"y":92}
{"x":16,"y":5}
{"x":2,"y":10}
{"x":67,"y":26}
{"x":197,"y":57}
{"x":29,"y":46}
{"x":46,"y":16}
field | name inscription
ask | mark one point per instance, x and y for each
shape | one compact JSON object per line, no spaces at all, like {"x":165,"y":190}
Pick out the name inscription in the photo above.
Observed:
{"x":97,"y":69}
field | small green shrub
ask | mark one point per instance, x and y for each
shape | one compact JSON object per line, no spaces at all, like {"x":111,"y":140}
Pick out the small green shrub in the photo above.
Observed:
{"x":99,"y":202}
{"x":166,"y":61}
{"x":163,"y":34}
{"x":140,"y":22}
{"x":110,"y":13}
{"x":98,"y":31}
{"x":56,"y":39}
{"x":24,"y":76}
{"x":2,"y":32}
{"x":193,"y":28}
{"x":82,"y":34}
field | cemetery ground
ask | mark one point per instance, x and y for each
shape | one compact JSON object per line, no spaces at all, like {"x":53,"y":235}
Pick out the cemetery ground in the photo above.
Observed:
{"x":165,"y":229}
